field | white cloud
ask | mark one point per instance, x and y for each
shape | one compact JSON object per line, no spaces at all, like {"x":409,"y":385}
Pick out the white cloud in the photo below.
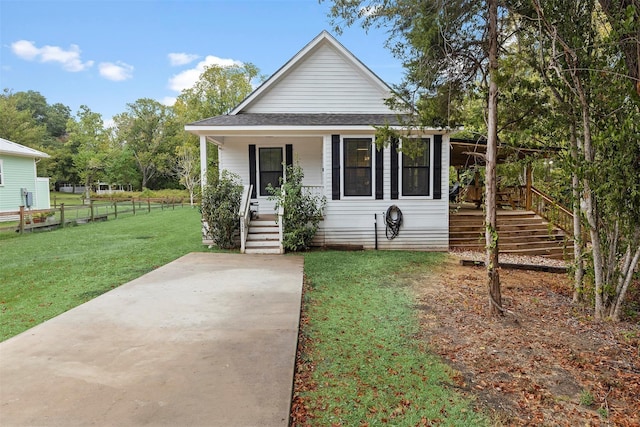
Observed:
{"x":182,"y":58}
{"x":187,"y":78}
{"x":168,"y":101}
{"x":117,"y":71}
{"x":69,"y":59}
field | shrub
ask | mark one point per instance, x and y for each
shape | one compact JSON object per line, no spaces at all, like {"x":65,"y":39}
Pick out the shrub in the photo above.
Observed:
{"x":219,"y":208}
{"x":302,"y":211}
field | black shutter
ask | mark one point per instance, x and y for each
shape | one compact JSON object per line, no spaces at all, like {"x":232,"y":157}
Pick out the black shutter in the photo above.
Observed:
{"x":394,"y":168}
{"x":252,"y":169}
{"x":288,"y":154}
{"x":335,"y":167}
{"x":379,"y":174}
{"x":437,"y":167}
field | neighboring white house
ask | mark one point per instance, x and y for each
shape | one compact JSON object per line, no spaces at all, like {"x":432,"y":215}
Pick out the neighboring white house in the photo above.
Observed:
{"x":19,"y":183}
{"x":320,"y":110}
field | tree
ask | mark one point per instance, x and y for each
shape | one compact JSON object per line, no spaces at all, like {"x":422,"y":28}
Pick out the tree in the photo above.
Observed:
{"x":89,"y":143}
{"x":216,"y":92}
{"x":446,"y":47}
{"x":18,"y":125}
{"x":187,"y":168}
{"x":147,"y":130}
{"x":582,"y":61}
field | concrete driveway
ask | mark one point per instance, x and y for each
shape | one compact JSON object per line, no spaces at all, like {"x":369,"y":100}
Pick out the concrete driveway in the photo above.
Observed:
{"x":207,"y":340}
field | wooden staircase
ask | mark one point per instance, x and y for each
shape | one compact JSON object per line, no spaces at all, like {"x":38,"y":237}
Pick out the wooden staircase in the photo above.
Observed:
{"x":520,"y":233}
{"x":263,"y":237}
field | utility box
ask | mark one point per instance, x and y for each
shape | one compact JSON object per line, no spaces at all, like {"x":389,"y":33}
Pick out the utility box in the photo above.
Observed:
{"x":28,"y":197}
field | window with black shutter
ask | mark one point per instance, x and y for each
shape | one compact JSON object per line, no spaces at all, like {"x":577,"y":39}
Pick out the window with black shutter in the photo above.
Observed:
{"x":357,"y":166}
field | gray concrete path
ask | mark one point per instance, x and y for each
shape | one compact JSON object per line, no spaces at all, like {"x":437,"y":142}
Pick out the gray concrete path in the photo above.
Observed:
{"x":207,"y":340}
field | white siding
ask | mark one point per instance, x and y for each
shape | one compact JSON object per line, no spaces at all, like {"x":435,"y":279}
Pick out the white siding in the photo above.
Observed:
{"x":325,"y":82}
{"x":351,"y":221}
{"x":234,"y":156}
{"x":18,"y":173}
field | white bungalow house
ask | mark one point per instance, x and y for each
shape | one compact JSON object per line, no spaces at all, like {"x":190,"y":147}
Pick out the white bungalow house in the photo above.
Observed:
{"x":320,"y":109}
{"x":19,"y":183}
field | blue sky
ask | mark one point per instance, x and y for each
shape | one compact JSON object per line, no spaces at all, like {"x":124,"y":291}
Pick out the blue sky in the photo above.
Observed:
{"x":105,"y":54}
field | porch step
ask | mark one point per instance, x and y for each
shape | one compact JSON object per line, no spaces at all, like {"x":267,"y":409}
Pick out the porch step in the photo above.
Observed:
{"x":263,"y":237}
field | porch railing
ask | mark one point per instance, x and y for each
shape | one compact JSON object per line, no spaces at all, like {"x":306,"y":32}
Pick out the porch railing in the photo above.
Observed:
{"x":281,"y":223}
{"x":245,"y":216}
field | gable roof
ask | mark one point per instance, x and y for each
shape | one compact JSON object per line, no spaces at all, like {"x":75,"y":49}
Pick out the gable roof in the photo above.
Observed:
{"x":299,"y":69}
{"x":15,"y":149}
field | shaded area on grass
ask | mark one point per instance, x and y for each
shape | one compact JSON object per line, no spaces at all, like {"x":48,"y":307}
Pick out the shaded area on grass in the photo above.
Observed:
{"x":45,"y":274}
{"x":546,"y":363}
{"x":360,"y":360}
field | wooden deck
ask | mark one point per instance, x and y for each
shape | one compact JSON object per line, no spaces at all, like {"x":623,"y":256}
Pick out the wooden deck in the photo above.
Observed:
{"x":520,"y":232}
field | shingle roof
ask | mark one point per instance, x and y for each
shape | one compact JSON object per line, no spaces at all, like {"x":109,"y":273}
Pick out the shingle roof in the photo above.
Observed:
{"x":292,"y":119}
{"x":10,"y":147}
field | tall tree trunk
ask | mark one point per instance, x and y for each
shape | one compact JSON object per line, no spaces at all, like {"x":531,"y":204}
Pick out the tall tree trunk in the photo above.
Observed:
{"x":591,"y":207}
{"x":491,"y":233}
{"x":578,"y":244}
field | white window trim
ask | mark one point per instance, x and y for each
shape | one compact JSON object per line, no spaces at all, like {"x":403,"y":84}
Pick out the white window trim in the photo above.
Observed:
{"x":1,"y":173}
{"x":374,"y":153}
{"x":431,"y":170}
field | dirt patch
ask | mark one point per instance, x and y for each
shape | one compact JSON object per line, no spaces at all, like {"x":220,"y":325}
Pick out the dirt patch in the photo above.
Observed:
{"x":545,"y":363}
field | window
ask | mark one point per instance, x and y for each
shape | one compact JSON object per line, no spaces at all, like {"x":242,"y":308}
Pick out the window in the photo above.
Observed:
{"x":1,"y":173}
{"x":357,"y":167}
{"x":415,"y":172}
{"x":270,"y":169}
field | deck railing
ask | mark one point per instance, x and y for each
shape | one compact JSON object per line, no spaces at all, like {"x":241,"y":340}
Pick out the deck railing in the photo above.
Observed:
{"x":551,"y":210}
{"x":244,"y":214}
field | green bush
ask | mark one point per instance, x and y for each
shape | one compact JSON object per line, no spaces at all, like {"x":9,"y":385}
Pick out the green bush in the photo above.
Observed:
{"x":219,"y":208}
{"x":302,"y":211}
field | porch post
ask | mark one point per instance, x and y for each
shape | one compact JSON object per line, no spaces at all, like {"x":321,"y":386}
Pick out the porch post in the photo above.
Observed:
{"x":203,"y":161}
{"x":527,"y":196}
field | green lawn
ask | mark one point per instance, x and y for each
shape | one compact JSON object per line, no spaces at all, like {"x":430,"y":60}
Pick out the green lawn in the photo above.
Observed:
{"x":44,"y":274}
{"x":368,"y":364}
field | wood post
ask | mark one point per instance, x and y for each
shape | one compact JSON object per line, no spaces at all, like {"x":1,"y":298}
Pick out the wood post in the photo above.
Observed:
{"x":149,"y":205}
{"x":115,"y":210}
{"x":91,"y":207}
{"x":133,"y":202}
{"x":62,"y":215}
{"x":21,"y":226}
{"x":528,"y":178}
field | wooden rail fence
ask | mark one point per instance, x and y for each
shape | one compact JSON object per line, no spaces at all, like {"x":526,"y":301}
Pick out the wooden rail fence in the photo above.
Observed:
{"x":92,"y":210}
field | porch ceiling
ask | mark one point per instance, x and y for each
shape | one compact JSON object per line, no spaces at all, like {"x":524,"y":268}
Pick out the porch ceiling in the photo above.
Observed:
{"x":470,"y":152}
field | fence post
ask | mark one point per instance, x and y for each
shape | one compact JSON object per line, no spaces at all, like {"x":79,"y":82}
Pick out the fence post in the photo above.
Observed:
{"x":55,"y":198}
{"x":133,"y":202}
{"x":173,"y":204}
{"x":21,"y":227}
{"x":149,"y":205}
{"x":62,"y":215}
{"x":115,"y":209}
{"x":91,"y":207}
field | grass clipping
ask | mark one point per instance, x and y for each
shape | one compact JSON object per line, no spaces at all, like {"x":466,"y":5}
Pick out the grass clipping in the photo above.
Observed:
{"x":361,"y":361}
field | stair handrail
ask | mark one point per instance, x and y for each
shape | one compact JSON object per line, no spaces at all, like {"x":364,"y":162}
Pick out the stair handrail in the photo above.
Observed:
{"x":551,"y":210}
{"x":244,"y":215}
{"x":281,"y":222}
